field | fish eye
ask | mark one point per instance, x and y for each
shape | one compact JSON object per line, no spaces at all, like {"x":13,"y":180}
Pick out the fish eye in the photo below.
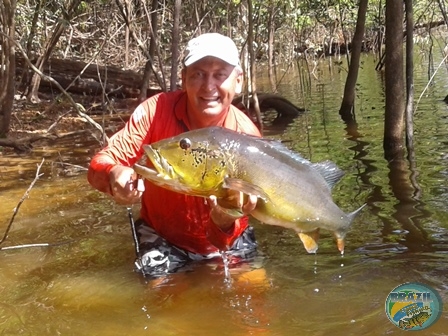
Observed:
{"x":185,"y":143}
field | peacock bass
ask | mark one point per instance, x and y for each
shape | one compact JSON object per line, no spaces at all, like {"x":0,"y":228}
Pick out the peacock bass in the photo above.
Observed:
{"x":292,"y":192}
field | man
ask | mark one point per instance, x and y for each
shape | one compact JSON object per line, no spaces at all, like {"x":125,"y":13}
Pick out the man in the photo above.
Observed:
{"x":174,"y":228}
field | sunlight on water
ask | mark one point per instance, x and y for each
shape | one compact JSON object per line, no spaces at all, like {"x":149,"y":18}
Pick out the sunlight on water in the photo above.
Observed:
{"x":87,"y":285}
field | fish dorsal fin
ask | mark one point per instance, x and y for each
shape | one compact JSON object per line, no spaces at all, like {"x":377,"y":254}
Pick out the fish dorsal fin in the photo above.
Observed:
{"x":277,"y":145}
{"x":329,"y":171}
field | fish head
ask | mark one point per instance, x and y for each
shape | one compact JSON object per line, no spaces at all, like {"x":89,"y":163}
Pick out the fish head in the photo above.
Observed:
{"x":196,"y":163}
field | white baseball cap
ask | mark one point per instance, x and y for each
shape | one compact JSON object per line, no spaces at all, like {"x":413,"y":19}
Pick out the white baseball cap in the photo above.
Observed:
{"x":212,"y":44}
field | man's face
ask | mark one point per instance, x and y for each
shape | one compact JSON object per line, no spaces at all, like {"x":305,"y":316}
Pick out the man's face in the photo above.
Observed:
{"x":210,"y":84}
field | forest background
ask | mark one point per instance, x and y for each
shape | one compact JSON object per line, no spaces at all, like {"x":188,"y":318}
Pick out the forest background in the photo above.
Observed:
{"x":73,"y":58}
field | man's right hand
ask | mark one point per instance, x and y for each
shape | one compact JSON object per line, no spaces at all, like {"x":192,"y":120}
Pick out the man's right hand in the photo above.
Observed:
{"x":125,"y":186}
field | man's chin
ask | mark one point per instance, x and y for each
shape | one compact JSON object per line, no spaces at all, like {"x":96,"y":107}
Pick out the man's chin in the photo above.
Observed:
{"x":213,"y":110}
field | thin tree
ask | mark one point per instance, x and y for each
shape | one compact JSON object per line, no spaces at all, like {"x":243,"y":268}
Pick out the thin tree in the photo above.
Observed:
{"x":7,"y":63}
{"x":409,"y":74}
{"x":153,"y":27}
{"x":29,"y":42}
{"x":59,"y":28}
{"x":271,"y":38}
{"x":175,"y":45}
{"x":348,"y":101}
{"x":394,"y":82}
{"x":132,"y":31}
{"x":250,"y":49}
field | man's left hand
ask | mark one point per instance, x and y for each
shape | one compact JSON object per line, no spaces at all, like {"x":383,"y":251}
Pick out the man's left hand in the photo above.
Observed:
{"x":226,"y":210}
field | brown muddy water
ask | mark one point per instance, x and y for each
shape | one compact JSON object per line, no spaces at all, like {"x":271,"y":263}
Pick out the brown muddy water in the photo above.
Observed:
{"x":87,"y":286}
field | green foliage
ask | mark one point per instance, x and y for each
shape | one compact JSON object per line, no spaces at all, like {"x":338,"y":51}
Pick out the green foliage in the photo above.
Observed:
{"x":297,"y":24}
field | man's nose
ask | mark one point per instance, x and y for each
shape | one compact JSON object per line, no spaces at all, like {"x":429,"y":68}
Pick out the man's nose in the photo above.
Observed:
{"x":209,"y":83}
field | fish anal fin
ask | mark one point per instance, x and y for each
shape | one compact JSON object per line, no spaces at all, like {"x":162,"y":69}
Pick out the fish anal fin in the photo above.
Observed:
{"x":309,"y":240}
{"x":245,"y":187}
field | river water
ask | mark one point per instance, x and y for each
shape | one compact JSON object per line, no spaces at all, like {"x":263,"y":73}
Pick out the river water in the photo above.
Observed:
{"x":85,"y":284}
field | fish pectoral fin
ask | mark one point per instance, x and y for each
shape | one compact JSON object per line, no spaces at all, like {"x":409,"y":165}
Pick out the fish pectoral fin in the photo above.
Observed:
{"x":309,"y":240}
{"x":245,"y":187}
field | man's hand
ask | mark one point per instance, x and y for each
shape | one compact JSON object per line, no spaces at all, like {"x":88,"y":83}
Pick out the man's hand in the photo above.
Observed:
{"x":125,"y":186}
{"x":226,"y":210}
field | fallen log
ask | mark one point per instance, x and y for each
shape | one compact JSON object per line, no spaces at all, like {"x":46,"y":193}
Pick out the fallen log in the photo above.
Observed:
{"x":268,"y":101}
{"x":93,"y":79}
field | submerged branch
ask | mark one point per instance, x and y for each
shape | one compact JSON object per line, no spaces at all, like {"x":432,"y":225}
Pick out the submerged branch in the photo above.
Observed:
{"x":430,"y":81}
{"x":16,"y":210}
{"x":16,"y":247}
{"x":25,"y":195}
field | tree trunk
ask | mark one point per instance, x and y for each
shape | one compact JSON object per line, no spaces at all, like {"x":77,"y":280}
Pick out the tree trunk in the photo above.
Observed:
{"x":271,"y":36}
{"x":141,"y":46}
{"x":443,"y":10}
{"x":348,"y":101}
{"x":175,"y":45}
{"x":409,"y":76}
{"x":7,"y":64}
{"x":24,"y":79}
{"x":32,"y":95}
{"x":153,"y":26}
{"x":250,"y":48}
{"x":395,"y":104}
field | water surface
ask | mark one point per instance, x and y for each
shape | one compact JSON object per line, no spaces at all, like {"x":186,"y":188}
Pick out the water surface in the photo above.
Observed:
{"x":86,"y":285}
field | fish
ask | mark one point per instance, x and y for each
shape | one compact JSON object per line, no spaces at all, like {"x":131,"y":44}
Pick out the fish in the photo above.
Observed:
{"x":414,"y":321}
{"x":292,"y":192}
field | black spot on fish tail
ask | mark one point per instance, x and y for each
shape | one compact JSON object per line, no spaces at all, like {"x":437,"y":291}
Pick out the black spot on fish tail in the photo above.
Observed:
{"x":329,"y":171}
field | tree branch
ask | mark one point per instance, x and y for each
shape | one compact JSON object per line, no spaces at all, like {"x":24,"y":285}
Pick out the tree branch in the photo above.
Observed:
{"x":78,"y":107}
{"x":25,"y":195}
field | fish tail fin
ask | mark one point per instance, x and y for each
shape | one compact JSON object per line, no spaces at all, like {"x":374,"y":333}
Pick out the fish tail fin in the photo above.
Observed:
{"x":340,"y":234}
{"x":351,"y":216}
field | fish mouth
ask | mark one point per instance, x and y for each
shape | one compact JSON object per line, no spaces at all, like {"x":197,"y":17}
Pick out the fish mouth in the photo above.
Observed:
{"x":162,"y":166}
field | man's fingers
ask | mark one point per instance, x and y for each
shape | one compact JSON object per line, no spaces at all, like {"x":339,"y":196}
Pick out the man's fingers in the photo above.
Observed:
{"x":250,"y":205}
{"x":212,"y":201}
{"x":140,"y":185}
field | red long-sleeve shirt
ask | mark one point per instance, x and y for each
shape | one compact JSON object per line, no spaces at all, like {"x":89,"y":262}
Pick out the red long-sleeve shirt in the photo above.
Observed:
{"x":182,"y":220}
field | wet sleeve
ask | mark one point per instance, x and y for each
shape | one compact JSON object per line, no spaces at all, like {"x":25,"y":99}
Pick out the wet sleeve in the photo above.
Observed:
{"x":224,"y":240}
{"x":124,"y":147}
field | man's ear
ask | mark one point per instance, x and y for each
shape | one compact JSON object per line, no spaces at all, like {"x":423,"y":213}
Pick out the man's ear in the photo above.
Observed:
{"x":239,"y":84}
{"x":182,"y":76}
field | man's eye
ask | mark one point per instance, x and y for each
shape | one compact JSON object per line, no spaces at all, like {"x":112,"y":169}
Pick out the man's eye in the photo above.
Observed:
{"x":185,"y":143}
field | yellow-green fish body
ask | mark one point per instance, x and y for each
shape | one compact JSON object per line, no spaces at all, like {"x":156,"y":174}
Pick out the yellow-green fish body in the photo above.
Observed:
{"x":292,"y":191}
